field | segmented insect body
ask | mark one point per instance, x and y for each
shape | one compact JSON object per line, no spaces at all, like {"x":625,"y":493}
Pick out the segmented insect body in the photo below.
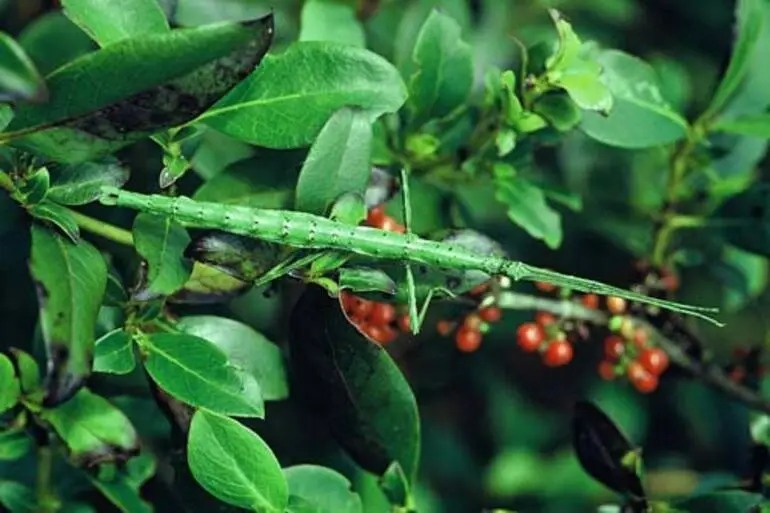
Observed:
{"x":303,"y":230}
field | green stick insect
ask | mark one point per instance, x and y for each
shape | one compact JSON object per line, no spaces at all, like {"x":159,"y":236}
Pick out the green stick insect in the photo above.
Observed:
{"x":309,"y":231}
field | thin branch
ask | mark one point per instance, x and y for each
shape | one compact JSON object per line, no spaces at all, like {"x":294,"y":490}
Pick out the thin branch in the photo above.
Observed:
{"x":707,"y":372}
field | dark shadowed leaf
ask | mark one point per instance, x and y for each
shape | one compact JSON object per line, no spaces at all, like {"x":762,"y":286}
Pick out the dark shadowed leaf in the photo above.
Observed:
{"x":442,"y":73}
{"x":162,"y":243}
{"x":17,"y":497}
{"x":79,"y":184}
{"x":338,"y":162}
{"x":720,"y":502}
{"x":70,"y":281}
{"x":325,"y":20}
{"x":14,"y":443}
{"x":234,"y":464}
{"x":244,"y":348}
{"x":175,"y":76}
{"x":353,"y":385}
{"x":746,"y":218}
{"x":19,"y":80}
{"x":94,"y":430}
{"x":122,"y":488}
{"x":604,"y":452}
{"x":277,"y":107}
{"x":363,"y":279}
{"x":58,"y":217}
{"x":242,"y":257}
{"x":10,"y":389}
{"x":114,"y":353}
{"x":109,"y":21}
{"x":323,"y":488}
{"x":395,"y":485}
{"x":198,"y":373}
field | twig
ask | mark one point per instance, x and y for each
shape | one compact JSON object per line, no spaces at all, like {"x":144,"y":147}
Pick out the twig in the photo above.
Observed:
{"x":707,"y":372}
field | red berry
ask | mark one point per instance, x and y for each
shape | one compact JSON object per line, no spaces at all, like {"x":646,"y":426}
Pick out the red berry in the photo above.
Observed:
{"x":529,"y":336}
{"x":347,"y":299}
{"x":544,"y":287}
{"x":558,"y":354}
{"x":405,"y":324}
{"x":479,"y":289}
{"x":640,"y":338}
{"x":390,"y":225}
{"x":616,"y":305}
{"x":590,"y":301}
{"x":655,"y":361}
{"x":382,"y":313}
{"x":614,"y":346}
{"x":545,"y":319}
{"x":444,"y":328}
{"x":607,"y":370}
{"x":468,"y":340}
{"x":642,"y":380}
{"x":490,"y":314}
{"x":360,"y":308}
{"x":376,"y":216}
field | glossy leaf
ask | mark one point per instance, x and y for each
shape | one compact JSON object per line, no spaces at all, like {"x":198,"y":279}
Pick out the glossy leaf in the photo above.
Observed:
{"x":10,"y":389}
{"x":173,"y":81}
{"x":353,"y":385}
{"x":527,"y":207}
{"x":109,"y":21}
{"x":750,"y":15}
{"x":276,"y":107}
{"x":234,"y":464}
{"x":442,"y":75}
{"x":329,"y":20}
{"x":640,"y":116}
{"x":162,"y":243}
{"x":196,"y":372}
{"x":70,"y":281}
{"x":245,"y":348}
{"x":58,"y":217}
{"x":338,"y":162}
{"x":79,"y":184}
{"x":52,"y":40}
{"x":94,"y":430}
{"x":323,"y":488}
{"x":604,"y":451}
{"x":114,"y":353}
{"x":755,"y":126}
{"x":19,"y":80}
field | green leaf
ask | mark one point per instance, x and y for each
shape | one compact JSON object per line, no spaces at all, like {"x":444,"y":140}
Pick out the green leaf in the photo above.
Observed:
{"x":325,"y":489}
{"x":96,"y":109}
{"x":51,"y":40}
{"x":746,"y":219}
{"x":750,"y":15}
{"x":19,"y":80}
{"x":70,"y":281}
{"x":110,"y":21}
{"x":527,"y":207}
{"x":94,"y":430}
{"x":754,"y":126}
{"x":17,"y":497}
{"x":79,"y":184}
{"x":114,"y":353}
{"x":35,"y":187}
{"x":122,"y":488}
{"x":395,"y":486}
{"x":209,"y":285}
{"x":57,"y":216}
{"x":640,"y":116}
{"x":162,"y":243}
{"x":244,"y":348}
{"x":353,"y":385}
{"x":559,"y":111}
{"x":363,"y":279}
{"x":720,"y":502}
{"x":234,"y":464}
{"x":338,"y":162}
{"x":198,"y":373}
{"x":752,"y":273}
{"x":14,"y":443}
{"x":10,"y":391}
{"x":330,"y":20}
{"x":245,"y":258}
{"x":29,"y":371}
{"x":443,"y":70}
{"x":277,"y":107}
{"x":350,"y":208}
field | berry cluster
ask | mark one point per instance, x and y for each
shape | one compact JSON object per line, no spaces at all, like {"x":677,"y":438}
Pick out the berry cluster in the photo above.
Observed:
{"x":469,"y":333}
{"x":628,"y":352}
{"x":546,"y":337}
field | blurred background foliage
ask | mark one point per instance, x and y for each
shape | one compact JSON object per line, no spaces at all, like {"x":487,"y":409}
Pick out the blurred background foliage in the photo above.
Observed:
{"x":496,"y":427}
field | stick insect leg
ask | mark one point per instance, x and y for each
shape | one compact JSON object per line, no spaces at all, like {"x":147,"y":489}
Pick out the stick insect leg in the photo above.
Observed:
{"x":415,"y":319}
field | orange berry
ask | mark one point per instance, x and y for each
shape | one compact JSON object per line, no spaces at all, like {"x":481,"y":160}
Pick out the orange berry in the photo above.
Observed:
{"x":614,"y":346}
{"x":529,"y":336}
{"x":558,"y":354}
{"x":376,"y":216}
{"x":590,"y":301}
{"x":616,"y":305}
{"x":472,"y":321}
{"x":468,"y":340}
{"x":607,"y":370}
{"x":545,"y":318}
{"x":390,"y":225}
{"x":544,"y":287}
{"x":444,"y":328}
{"x":490,"y":314}
{"x":640,"y":338}
{"x":405,"y":324}
{"x":382,"y":313}
{"x":642,"y":380}
{"x":655,"y":361}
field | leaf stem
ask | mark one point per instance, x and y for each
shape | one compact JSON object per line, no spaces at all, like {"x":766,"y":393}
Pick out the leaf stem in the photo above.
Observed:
{"x":47,"y":502}
{"x":99,"y":227}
